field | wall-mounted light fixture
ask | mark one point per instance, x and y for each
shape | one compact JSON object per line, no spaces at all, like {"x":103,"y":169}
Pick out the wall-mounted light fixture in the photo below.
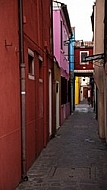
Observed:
{"x":66,"y":42}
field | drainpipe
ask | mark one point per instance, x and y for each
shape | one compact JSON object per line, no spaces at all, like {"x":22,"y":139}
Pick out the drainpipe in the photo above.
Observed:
{"x":53,"y":82}
{"x":71,"y":69}
{"x":45,"y":89}
{"x":22,"y":89}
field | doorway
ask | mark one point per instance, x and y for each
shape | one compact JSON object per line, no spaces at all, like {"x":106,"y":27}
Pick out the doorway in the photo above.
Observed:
{"x":50,"y":103}
{"x":57,"y":104}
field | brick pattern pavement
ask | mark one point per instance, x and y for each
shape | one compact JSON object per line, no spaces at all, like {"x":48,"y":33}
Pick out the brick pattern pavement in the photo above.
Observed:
{"x":76,"y":159}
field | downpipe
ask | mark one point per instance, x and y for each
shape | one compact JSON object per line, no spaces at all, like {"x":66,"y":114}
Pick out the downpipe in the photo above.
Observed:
{"x":22,"y":91}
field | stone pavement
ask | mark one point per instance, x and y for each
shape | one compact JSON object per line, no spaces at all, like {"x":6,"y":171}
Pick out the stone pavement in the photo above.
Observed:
{"x":76,"y":159}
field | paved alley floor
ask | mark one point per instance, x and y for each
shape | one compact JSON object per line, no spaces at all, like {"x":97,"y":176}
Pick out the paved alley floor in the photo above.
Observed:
{"x":76,"y":159}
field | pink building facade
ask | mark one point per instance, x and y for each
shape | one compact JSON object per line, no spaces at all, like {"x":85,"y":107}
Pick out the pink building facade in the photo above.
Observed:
{"x":62,"y":33}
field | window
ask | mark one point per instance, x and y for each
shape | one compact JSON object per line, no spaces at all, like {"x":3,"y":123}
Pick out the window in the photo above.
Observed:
{"x":66,"y":44}
{"x":61,"y":35}
{"x":83,"y":54}
{"x":40,"y":67}
{"x":64,"y":90}
{"x":30,"y":64}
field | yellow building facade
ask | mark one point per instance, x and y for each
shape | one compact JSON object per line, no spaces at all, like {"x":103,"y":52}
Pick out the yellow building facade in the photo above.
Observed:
{"x":77,"y":90}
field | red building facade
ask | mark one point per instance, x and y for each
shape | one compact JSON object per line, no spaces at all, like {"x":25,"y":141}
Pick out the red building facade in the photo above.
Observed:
{"x":26,"y":71}
{"x":10,"y":119}
{"x":84,"y":69}
{"x":81,"y":51}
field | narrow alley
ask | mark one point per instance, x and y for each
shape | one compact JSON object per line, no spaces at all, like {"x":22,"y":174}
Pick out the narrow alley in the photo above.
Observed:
{"x":76,"y":159}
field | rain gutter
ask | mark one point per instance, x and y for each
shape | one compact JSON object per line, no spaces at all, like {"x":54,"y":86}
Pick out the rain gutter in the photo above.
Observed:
{"x":22,"y":90}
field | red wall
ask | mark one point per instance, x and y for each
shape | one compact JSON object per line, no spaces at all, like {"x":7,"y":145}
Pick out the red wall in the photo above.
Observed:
{"x":77,"y":65}
{"x":36,"y":36}
{"x":10,"y":132}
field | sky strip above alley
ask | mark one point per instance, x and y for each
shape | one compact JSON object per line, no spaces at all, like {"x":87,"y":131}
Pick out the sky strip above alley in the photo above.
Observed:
{"x":79,"y":13}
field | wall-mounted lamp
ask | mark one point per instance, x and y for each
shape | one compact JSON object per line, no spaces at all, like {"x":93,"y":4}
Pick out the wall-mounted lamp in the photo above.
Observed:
{"x":66,"y":42}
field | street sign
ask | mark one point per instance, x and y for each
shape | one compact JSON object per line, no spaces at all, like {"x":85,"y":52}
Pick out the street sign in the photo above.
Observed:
{"x":93,"y":57}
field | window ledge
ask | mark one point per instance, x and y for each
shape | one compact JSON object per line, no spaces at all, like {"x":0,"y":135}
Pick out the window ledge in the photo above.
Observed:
{"x":31,"y":77}
{"x":40,"y":80}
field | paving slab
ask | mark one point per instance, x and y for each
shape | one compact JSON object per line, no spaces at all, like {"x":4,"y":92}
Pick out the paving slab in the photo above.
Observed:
{"x":76,"y":159}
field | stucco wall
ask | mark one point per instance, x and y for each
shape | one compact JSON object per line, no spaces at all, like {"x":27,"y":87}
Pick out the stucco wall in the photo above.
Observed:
{"x":98,"y":65}
{"x":37,"y":23}
{"x":56,"y":32}
{"x":37,"y":35}
{"x":78,"y":65}
{"x":59,"y":54}
{"x":10,"y":125}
